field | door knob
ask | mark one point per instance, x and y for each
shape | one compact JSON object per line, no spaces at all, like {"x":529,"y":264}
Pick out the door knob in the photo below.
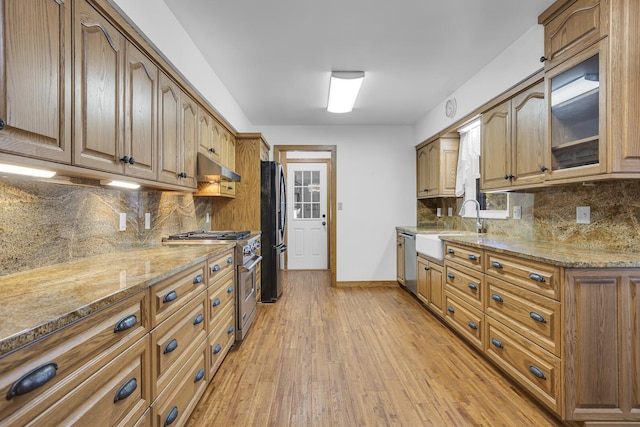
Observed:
{"x":324,"y":223}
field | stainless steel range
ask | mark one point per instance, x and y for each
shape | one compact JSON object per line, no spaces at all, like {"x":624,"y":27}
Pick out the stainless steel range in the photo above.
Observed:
{"x":247,"y":256}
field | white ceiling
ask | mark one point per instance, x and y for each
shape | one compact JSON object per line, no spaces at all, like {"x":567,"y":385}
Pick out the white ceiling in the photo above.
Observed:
{"x":275,"y":56}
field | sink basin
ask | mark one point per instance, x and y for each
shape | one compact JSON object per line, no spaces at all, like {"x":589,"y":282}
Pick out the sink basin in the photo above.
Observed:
{"x":430,"y":244}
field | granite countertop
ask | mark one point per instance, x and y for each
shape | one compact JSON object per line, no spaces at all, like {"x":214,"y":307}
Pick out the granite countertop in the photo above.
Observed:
{"x":40,"y":301}
{"x":561,"y":255}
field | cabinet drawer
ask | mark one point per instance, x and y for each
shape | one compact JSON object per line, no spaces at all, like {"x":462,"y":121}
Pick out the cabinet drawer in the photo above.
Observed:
{"x":220,"y":300}
{"x":177,"y":401}
{"x":533,"y":316}
{"x":119,"y":392}
{"x":174,"y":340}
{"x":171,"y":294}
{"x":469,"y":257}
{"x":219,"y":266}
{"x":220,"y":340}
{"x":572,"y":30}
{"x":464,"y":319}
{"x":69,"y":356}
{"x":534,"y":368}
{"x":466,"y":284}
{"x":540,"y":278}
{"x":145,"y":419}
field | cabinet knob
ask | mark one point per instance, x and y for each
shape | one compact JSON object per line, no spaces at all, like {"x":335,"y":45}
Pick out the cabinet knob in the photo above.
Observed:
{"x":537,"y":317}
{"x":543,"y":58}
{"x":182,"y":175}
{"x":451,"y":310}
{"x":170,"y":296}
{"x":2,"y":124}
{"x":497,"y":298}
{"x":212,"y":150}
{"x":198,"y":279}
{"x":543,"y":168}
{"x":426,"y":269}
{"x":199,"y":318}
{"x":217,"y":349}
{"x":509,"y":176}
{"x":451,"y":276}
{"x":472,"y":325}
{"x":537,"y":277}
{"x":472,"y":286}
{"x":216,"y":302}
{"x":132,"y":160}
{"x":125,"y":159}
{"x":496,"y":264}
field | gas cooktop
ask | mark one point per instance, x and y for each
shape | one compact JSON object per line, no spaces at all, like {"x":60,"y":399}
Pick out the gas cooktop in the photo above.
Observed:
{"x":211,"y":235}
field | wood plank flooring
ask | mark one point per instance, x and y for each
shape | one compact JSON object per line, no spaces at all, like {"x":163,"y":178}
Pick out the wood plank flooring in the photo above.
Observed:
{"x":323,"y":356}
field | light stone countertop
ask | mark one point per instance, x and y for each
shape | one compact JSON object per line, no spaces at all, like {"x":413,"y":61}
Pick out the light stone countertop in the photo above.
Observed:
{"x":40,"y":301}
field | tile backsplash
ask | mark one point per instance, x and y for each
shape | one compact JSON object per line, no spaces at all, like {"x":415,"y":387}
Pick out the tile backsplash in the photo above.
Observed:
{"x":44,"y":223}
{"x":550,"y":214}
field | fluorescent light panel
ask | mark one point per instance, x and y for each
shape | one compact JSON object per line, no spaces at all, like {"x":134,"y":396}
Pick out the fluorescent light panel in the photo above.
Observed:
{"x":573,"y":89}
{"x":22,"y":170}
{"x":343,"y":90}
{"x":121,"y":184}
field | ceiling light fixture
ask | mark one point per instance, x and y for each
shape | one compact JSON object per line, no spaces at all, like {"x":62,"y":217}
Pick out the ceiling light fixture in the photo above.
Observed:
{"x":121,"y":184}
{"x":22,"y":170}
{"x":343,"y":90}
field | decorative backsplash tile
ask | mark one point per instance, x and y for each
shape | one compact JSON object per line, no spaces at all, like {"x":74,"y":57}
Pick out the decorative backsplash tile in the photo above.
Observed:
{"x":44,"y":223}
{"x":550,"y":214}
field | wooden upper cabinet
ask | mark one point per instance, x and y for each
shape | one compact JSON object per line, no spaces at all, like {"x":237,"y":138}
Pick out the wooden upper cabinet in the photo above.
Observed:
{"x":35,"y":79}
{"x":571,"y":27}
{"x":141,"y":114}
{"x":436,"y":164}
{"x":178,"y":134}
{"x":209,"y":135}
{"x":514,"y":141}
{"x":99,"y":89}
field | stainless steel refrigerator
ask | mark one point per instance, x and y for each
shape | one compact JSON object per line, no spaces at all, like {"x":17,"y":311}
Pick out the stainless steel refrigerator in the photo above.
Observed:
{"x":273,"y":220}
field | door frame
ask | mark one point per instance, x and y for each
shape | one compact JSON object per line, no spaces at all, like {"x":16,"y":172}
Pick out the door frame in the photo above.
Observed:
{"x":280,"y":155}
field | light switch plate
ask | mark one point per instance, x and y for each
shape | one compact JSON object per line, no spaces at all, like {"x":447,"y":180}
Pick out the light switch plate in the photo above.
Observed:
{"x":583,"y":215}
{"x":339,"y":206}
{"x":450,"y":211}
{"x":517,"y":212}
{"x":438,"y":212}
{"x":123,"y":221}
{"x":208,"y":218}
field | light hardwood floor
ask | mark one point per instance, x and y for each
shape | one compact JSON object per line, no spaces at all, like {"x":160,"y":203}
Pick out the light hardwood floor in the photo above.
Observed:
{"x":323,"y":356}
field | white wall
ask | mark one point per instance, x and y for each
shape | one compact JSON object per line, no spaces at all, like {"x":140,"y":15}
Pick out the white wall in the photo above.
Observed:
{"x":517,"y":62}
{"x":161,"y":28}
{"x":376,"y":176}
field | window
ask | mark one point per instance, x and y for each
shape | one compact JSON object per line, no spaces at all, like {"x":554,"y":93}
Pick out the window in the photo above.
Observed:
{"x":492,"y":205}
{"x":306,"y":193}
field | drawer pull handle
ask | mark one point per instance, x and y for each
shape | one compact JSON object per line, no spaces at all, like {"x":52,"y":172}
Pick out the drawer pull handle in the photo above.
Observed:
{"x":217,"y":349}
{"x":451,"y":310}
{"x":230,"y":330}
{"x":216,"y":302}
{"x":126,"y":390}
{"x":199,"y":375}
{"x":172,"y":345}
{"x":497,"y":342}
{"x":496,"y":298}
{"x":230,"y":289}
{"x":215,"y":268}
{"x":171,"y":296}
{"x":126,"y":323}
{"x":34,"y":379}
{"x":472,"y":325}
{"x":199,"y":318}
{"x":473,"y":257}
{"x":171,"y":416}
{"x":451,"y":276}
{"x":451,"y":251}
{"x":472,"y":286}
{"x":229,"y":260}
{"x":537,"y":317}
{"x":198,"y":279}
{"x":536,"y":277}
{"x":537,"y":372}
{"x":496,"y":264}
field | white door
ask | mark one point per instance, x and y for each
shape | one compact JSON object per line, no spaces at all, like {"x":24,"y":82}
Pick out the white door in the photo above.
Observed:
{"x":307,"y":216}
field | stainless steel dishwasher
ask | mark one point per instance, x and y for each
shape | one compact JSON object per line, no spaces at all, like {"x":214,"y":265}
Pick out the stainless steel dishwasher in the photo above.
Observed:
{"x":410,"y":259}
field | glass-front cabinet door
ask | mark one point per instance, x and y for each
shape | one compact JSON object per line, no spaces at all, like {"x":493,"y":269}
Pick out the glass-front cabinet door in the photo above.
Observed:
{"x":577,"y":96}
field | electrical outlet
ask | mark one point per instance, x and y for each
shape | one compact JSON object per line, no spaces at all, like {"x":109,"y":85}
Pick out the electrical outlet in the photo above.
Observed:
{"x":438,"y":212}
{"x":147,"y":221}
{"x":517,"y":212}
{"x":450,"y":211}
{"x":583,"y":215}
{"x":123,"y":221}
{"x":207,"y":218}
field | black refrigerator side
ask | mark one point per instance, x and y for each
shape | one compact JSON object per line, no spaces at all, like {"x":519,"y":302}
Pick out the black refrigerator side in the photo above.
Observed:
{"x":273,"y":209}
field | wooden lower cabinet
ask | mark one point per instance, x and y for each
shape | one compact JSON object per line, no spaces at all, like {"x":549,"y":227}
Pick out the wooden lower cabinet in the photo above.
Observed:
{"x":220,"y":340}
{"x":430,"y":284}
{"x":570,"y":337}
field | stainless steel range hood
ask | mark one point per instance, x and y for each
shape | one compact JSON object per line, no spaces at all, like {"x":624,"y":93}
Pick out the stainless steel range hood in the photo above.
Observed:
{"x":210,"y":170}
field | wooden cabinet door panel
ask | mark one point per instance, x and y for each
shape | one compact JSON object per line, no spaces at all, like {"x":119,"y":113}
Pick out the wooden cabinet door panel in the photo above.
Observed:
{"x":169,"y":130}
{"x":433,"y":168}
{"x":436,"y":288}
{"x":99,"y":86}
{"x":495,"y":160}
{"x":35,"y":88}
{"x":189,"y":140}
{"x":209,"y":135}
{"x":423,"y":279}
{"x":529,"y":130}
{"x":422,"y":165}
{"x":141,"y":93}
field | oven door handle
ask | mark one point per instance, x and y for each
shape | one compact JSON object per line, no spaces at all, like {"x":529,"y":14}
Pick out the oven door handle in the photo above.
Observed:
{"x":253,"y":264}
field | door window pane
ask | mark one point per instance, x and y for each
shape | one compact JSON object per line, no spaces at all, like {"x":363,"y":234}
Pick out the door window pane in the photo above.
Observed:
{"x":306,"y":195}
